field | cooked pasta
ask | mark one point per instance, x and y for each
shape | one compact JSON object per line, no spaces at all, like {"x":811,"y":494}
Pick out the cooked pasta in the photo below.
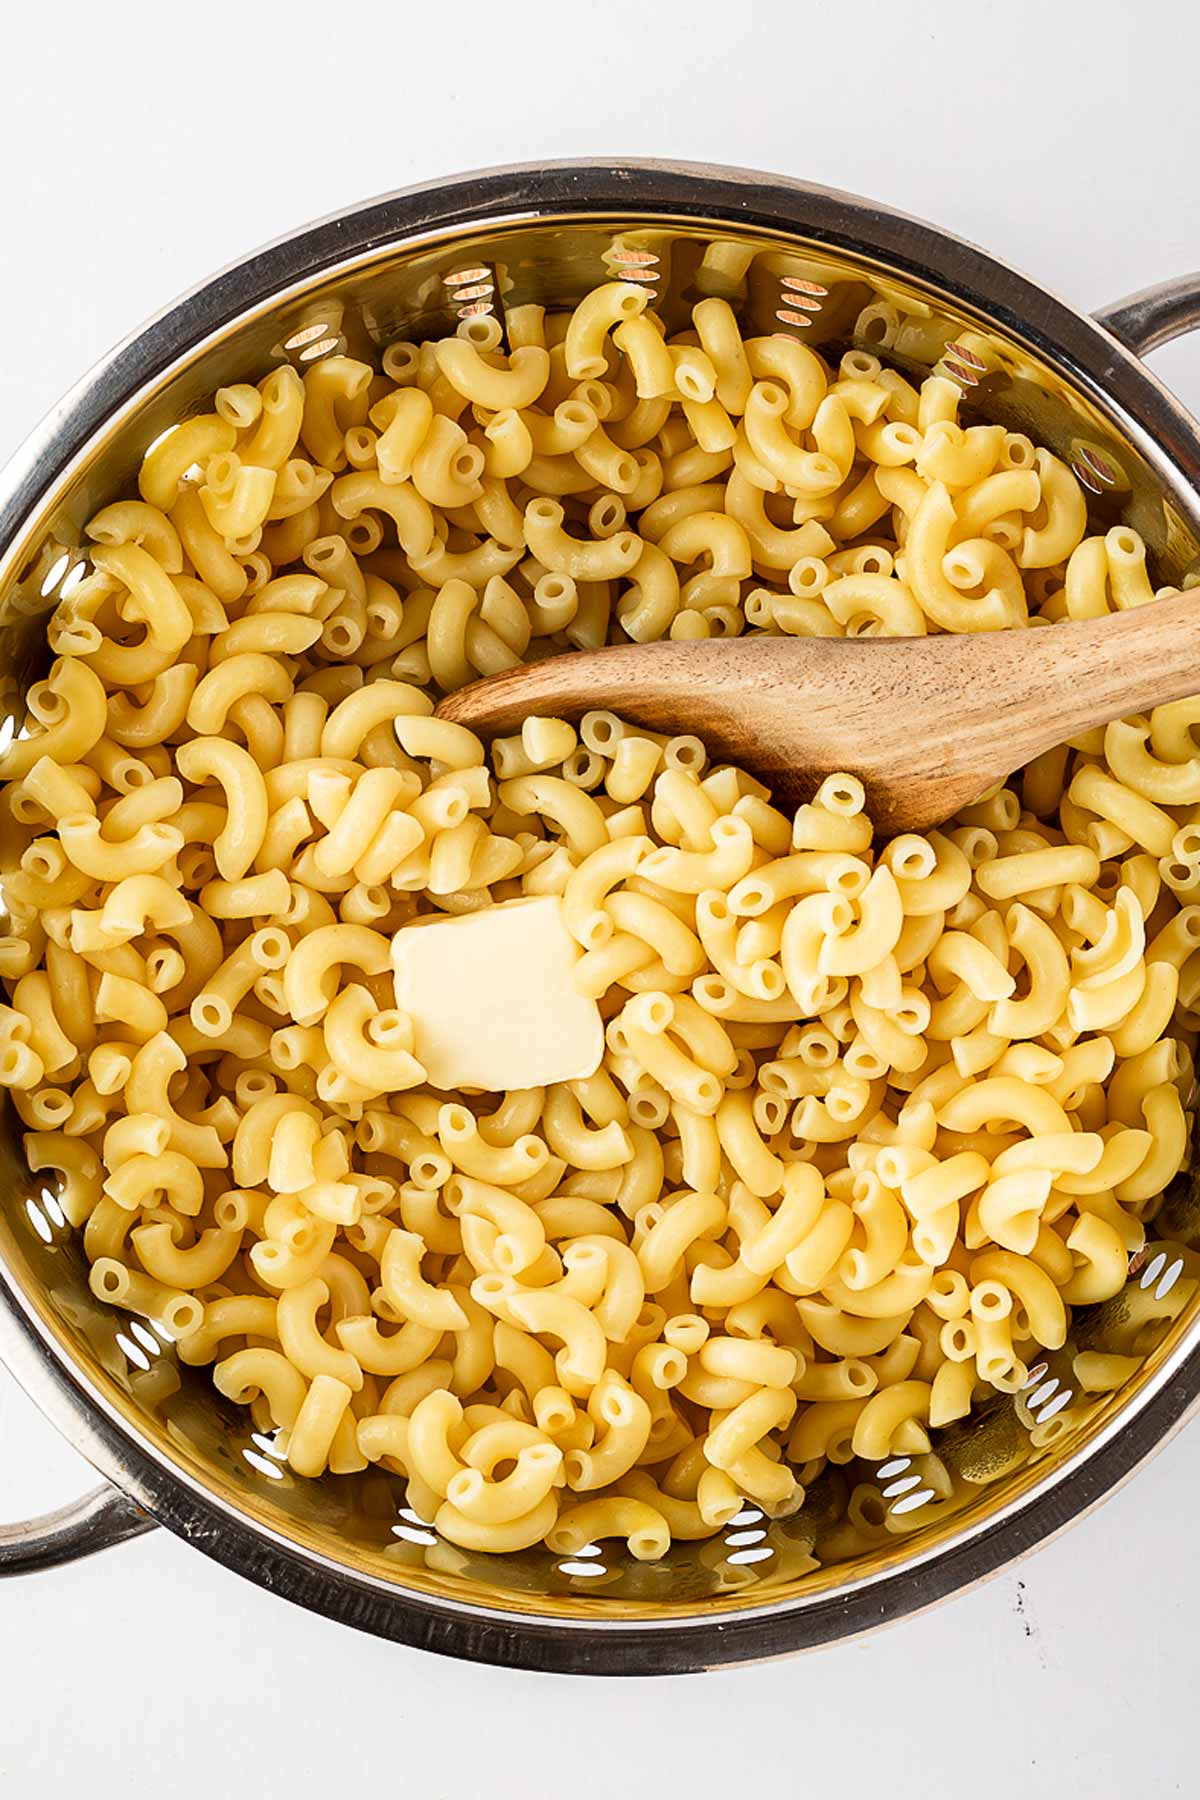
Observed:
{"x":869,"y":1119}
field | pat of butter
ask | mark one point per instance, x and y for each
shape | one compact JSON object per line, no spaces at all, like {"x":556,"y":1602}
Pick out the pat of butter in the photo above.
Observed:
{"x":492,"y":999}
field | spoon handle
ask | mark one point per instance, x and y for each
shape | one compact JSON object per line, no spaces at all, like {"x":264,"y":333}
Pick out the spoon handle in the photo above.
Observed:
{"x":1085,"y":672}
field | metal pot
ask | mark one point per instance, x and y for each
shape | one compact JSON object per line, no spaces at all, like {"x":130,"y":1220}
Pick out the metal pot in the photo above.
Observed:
{"x":795,"y":259}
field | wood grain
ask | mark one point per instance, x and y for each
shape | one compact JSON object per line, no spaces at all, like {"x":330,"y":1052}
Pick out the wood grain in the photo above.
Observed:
{"x":927,"y":723}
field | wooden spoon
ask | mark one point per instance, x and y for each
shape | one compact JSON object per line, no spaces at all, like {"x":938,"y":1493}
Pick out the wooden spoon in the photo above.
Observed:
{"x":929,"y":724}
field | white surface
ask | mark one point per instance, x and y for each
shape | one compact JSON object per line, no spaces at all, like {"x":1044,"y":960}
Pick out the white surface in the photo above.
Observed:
{"x":144,"y":146}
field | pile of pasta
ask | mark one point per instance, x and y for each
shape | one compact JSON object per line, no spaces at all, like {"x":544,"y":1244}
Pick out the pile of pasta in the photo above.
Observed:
{"x":871,"y":1117}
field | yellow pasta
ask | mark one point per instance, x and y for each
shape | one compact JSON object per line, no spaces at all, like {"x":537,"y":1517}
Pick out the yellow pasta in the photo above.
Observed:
{"x":870,"y":1119}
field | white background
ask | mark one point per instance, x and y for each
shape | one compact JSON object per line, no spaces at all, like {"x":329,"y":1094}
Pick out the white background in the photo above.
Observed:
{"x":143,"y":147}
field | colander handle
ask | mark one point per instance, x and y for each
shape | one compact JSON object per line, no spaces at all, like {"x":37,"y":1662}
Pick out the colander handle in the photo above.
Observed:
{"x":1154,"y":315}
{"x":100,"y":1519}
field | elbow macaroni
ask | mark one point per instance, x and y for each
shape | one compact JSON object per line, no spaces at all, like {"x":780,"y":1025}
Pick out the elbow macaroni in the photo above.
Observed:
{"x":871,"y":1119}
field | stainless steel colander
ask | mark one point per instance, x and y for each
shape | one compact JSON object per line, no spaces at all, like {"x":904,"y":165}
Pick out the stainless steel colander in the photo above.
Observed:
{"x":870,"y":1544}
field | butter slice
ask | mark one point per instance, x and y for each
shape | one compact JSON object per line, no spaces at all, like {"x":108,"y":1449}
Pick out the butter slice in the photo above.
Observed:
{"x":492,"y":998}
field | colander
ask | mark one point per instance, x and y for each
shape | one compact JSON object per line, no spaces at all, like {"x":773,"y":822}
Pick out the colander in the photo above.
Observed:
{"x":870,"y":1544}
